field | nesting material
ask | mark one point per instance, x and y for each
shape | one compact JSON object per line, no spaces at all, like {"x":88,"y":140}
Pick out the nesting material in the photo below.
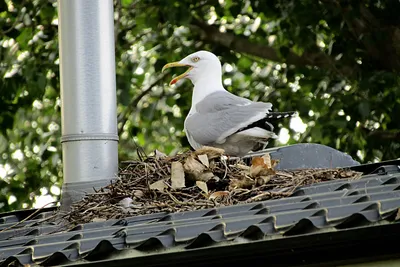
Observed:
{"x":192,"y":181}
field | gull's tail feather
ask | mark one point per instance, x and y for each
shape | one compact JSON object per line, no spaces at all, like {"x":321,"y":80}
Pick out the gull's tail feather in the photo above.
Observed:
{"x":265,"y":123}
{"x":280,"y":115}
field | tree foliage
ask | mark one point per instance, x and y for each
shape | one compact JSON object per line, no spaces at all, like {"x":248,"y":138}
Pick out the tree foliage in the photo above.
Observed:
{"x":336,"y":62}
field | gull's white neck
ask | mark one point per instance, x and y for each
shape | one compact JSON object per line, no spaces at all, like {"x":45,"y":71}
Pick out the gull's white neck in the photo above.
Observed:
{"x":206,"y":84}
{"x":204,"y":87}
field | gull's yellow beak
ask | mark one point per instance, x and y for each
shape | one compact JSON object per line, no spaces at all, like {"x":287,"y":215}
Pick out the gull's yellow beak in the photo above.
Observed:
{"x":177,"y":64}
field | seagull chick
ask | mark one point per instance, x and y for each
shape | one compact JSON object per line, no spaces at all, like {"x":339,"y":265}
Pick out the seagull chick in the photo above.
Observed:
{"x":218,"y":118}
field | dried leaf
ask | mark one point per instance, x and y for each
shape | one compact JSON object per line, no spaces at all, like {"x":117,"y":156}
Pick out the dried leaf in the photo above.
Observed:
{"x":267,"y":160}
{"x":211,"y":152}
{"x":196,"y":170}
{"x":262,"y":180}
{"x":218,"y":194}
{"x":255,"y":170}
{"x":261,"y":166}
{"x":205,"y":176}
{"x":204,"y":159}
{"x":257,"y":161}
{"x":260,"y":171}
{"x":244,"y":182}
{"x":138,"y":193}
{"x":158,"y":185}
{"x":203,"y":186}
{"x":177,"y":175}
{"x":193,"y":166}
{"x":274,"y":162}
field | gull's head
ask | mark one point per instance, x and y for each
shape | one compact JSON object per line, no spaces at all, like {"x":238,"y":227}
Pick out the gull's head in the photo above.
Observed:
{"x":201,"y":64}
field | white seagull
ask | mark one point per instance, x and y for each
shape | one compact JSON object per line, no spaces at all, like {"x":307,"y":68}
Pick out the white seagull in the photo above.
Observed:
{"x":218,"y":118}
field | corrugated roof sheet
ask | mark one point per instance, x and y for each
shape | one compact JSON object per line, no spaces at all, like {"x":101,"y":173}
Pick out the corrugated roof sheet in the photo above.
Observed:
{"x":329,"y":206}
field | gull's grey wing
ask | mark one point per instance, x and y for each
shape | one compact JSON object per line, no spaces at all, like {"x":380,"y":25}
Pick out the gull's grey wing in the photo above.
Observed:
{"x":192,"y":142}
{"x":214,"y":121}
{"x":221,"y":100}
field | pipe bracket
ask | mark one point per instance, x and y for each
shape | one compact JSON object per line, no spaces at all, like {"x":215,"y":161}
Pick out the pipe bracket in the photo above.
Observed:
{"x":89,"y":137}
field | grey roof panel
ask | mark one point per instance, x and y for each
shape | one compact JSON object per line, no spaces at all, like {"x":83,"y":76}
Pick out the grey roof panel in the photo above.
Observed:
{"x":241,"y":208}
{"x":208,"y":238}
{"x":132,"y":220}
{"x":189,"y":215}
{"x":17,"y":260}
{"x":12,"y":250}
{"x":8,"y":219}
{"x":331,"y":206}
{"x":375,"y":189}
{"x":289,"y":207}
{"x":346,"y":185}
{"x":389,"y":205}
{"x":61,"y":257}
{"x":285,"y":219}
{"x":139,"y":234}
{"x":340,"y":212}
{"x":96,"y":225}
{"x":165,"y":240}
{"x":93,"y":233}
{"x":87,"y":245}
{"x":43,"y":250}
{"x":14,"y":233}
{"x":103,"y":249}
{"x":242,"y":214}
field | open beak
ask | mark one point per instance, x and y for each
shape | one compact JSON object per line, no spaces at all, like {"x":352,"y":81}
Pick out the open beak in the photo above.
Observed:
{"x":177,"y":64}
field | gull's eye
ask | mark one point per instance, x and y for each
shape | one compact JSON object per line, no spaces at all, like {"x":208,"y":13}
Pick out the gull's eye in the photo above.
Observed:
{"x":195,"y":59}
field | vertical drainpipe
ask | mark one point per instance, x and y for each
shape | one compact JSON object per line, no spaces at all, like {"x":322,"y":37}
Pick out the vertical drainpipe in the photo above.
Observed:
{"x":88,"y":96}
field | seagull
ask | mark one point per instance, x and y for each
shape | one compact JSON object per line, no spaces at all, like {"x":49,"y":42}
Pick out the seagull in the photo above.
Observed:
{"x":218,"y":118}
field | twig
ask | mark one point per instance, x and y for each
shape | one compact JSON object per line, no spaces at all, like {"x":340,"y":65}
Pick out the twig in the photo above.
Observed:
{"x":136,"y":178}
{"x":28,"y":217}
{"x":20,"y":13}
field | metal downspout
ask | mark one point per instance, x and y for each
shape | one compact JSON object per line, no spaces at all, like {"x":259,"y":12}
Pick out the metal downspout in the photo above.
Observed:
{"x":88,"y":96}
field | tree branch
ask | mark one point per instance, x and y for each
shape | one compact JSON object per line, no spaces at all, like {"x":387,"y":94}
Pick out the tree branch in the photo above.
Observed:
{"x":21,"y":13}
{"x":393,"y":135}
{"x":367,"y":30}
{"x":212,"y":34}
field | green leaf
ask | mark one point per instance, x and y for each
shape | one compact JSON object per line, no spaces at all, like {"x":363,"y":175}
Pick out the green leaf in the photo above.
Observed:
{"x":170,"y":101}
{"x":24,"y":37}
{"x":41,"y":82}
{"x":284,"y":51}
{"x":364,"y":109}
{"x":244,"y":63}
{"x":164,"y":30}
{"x":235,"y":9}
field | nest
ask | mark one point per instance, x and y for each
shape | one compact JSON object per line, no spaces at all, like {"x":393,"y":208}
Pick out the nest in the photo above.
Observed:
{"x":191,"y":181}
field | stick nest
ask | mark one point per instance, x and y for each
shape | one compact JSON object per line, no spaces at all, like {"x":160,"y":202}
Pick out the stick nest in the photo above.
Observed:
{"x":192,"y":181}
